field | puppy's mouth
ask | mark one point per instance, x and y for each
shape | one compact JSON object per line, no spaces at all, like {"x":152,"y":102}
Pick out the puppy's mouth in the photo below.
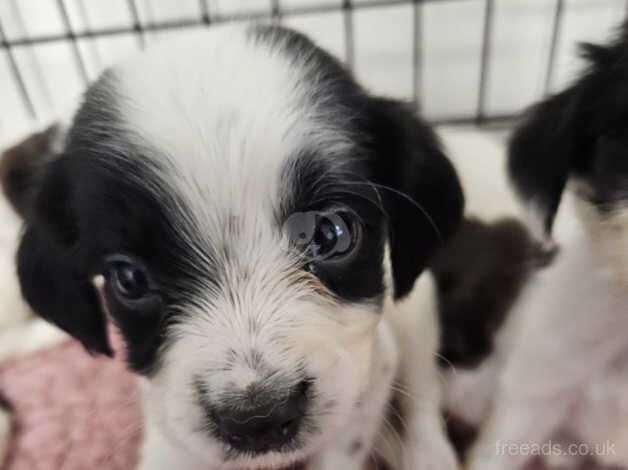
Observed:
{"x":297,"y":459}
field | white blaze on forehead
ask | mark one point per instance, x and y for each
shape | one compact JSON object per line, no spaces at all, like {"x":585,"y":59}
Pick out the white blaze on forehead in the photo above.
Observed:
{"x":224,"y":113}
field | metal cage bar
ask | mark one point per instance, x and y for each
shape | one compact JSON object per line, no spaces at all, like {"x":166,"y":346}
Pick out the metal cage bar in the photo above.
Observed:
{"x":205,"y":13}
{"x":487,"y":34}
{"x":417,"y":57}
{"x":349,"y":32}
{"x":557,"y":22}
{"x":78,"y":57}
{"x":17,"y":75}
{"x":137,"y":28}
{"x":276,"y":13}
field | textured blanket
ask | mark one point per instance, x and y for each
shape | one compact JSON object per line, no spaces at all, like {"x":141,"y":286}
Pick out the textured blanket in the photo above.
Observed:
{"x":72,"y":411}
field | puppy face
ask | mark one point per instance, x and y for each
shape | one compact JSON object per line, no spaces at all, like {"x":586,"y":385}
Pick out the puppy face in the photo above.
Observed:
{"x":580,"y":135}
{"x":236,"y":191}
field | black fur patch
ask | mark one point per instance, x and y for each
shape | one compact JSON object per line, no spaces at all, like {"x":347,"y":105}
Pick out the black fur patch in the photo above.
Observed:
{"x":479,"y":274}
{"x":461,"y":435}
{"x":88,"y":205}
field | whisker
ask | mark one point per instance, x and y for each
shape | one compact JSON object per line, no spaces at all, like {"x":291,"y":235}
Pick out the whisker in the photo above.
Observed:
{"x":400,"y":388}
{"x":446,"y":361}
{"x":392,"y":438}
{"x":407,"y":198}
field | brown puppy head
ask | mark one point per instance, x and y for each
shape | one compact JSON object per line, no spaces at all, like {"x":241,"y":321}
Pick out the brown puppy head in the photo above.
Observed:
{"x":21,"y":164}
{"x":479,"y":274}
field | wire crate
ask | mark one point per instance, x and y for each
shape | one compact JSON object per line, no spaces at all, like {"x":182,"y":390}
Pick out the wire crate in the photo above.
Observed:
{"x":459,"y":61}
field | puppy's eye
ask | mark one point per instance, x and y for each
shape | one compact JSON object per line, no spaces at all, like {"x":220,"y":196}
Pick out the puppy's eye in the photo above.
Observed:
{"x":332,"y":236}
{"x":128,"y":279}
{"x":323,"y":235}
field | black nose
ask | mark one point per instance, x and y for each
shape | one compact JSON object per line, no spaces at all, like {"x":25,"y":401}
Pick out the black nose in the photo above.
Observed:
{"x":263,"y":428}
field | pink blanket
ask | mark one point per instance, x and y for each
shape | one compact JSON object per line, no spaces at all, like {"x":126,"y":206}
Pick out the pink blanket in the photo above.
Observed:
{"x":74,"y":412}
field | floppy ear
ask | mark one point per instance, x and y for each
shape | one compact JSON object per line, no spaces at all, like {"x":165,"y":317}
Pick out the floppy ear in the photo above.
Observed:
{"x":60,"y":292}
{"x":50,"y":271}
{"x":542,"y":152}
{"x":420,"y":189}
{"x":558,"y":136}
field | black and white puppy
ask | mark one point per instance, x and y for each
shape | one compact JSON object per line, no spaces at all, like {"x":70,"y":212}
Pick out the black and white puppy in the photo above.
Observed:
{"x":565,"y":374}
{"x":253,"y":222}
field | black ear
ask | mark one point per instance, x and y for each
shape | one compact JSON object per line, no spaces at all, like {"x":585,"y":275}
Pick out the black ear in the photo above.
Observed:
{"x":542,"y":152}
{"x":558,"y":136}
{"x":59,"y":292}
{"x":52,"y":276}
{"x":420,"y":189}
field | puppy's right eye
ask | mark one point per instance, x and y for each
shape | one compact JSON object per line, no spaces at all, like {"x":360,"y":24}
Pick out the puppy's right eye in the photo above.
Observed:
{"x":129,"y":281}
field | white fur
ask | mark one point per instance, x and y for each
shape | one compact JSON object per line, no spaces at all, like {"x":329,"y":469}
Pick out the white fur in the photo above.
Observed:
{"x":226,"y":89}
{"x":562,"y":383}
{"x":424,"y":446}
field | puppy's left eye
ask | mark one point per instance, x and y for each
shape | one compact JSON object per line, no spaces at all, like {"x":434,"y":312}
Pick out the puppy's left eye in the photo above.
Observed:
{"x":332,"y":236}
{"x":323,"y":235}
{"x":129,"y":280}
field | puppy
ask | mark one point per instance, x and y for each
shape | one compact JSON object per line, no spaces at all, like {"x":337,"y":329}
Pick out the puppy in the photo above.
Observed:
{"x":479,"y":257}
{"x":479,"y":274}
{"x":254,"y":223}
{"x":565,"y":374}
